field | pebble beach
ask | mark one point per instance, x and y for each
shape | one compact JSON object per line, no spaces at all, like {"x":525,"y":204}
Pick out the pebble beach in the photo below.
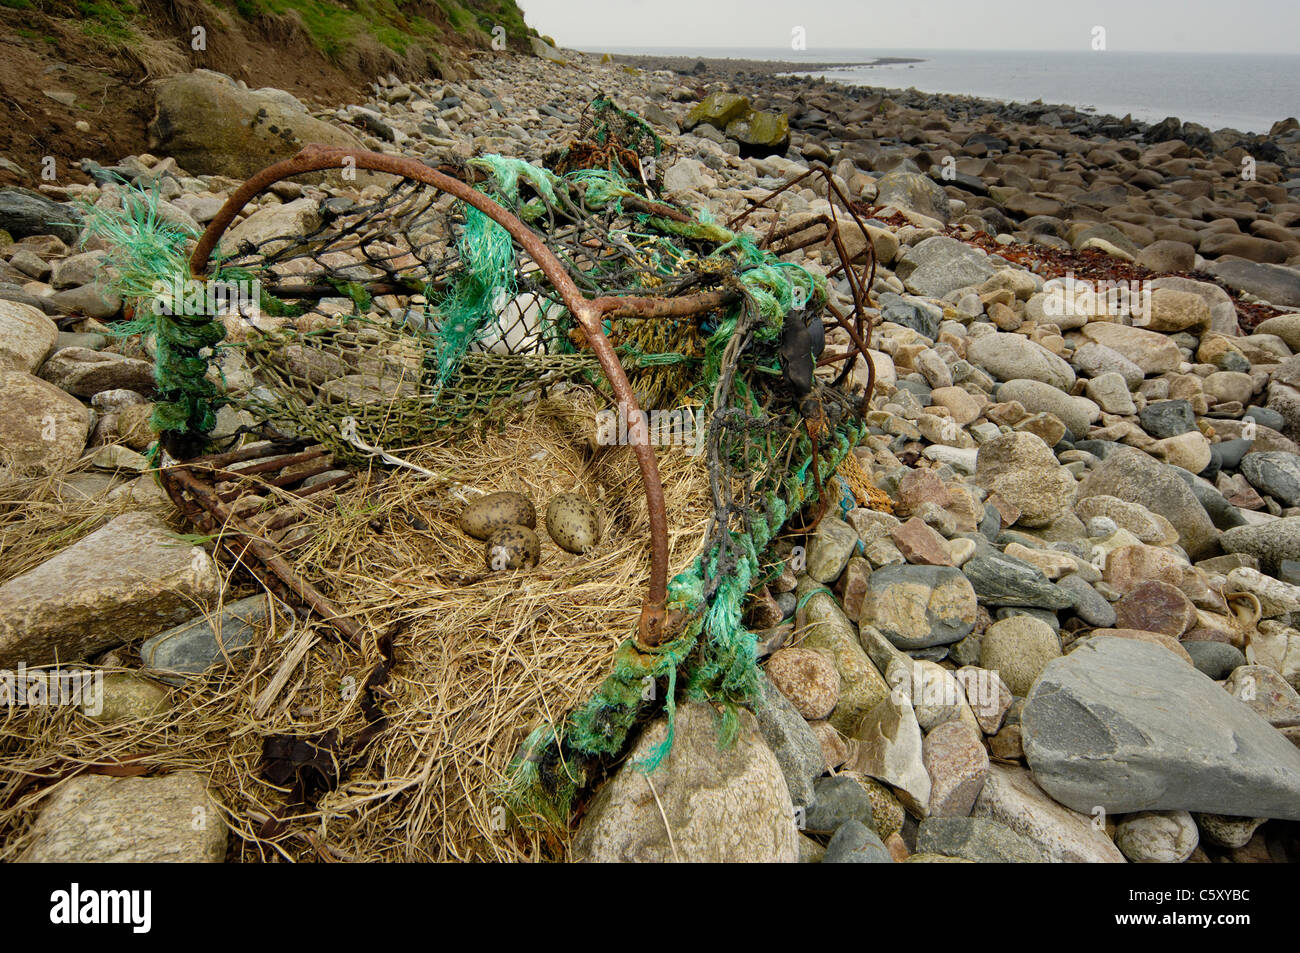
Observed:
{"x":1075,"y":638}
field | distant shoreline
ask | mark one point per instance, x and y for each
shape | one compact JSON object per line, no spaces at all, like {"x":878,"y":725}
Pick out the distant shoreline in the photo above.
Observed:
{"x":737,"y":69}
{"x":747,"y":65}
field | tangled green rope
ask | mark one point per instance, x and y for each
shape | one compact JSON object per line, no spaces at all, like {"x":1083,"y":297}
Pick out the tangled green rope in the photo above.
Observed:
{"x":714,"y":655}
{"x":145,"y":263}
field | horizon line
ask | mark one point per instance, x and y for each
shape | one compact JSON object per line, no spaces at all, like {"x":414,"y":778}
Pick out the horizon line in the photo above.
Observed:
{"x":919,"y":49}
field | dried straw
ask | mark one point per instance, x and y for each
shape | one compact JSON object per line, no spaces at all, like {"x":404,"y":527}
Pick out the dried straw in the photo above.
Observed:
{"x":482,"y":657}
{"x":39,"y":516}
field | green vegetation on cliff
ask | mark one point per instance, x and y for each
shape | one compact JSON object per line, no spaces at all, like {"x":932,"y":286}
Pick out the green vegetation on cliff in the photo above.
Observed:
{"x":395,"y":23}
{"x":332,"y":27}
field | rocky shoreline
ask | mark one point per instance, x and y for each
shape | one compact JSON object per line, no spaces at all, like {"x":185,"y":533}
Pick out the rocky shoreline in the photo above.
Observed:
{"x":739,"y":68}
{"x":1076,"y":637}
{"x":789,"y":72}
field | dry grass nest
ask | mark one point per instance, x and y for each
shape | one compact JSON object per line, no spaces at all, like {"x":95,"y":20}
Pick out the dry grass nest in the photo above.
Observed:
{"x":482,"y":658}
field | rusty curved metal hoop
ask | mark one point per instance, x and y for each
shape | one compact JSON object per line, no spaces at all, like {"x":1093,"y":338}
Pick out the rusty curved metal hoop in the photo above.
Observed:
{"x":652,"y":629}
{"x":655,"y":624}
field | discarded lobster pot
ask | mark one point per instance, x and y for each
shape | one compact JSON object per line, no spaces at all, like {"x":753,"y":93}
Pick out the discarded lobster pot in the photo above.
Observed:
{"x":458,"y":293}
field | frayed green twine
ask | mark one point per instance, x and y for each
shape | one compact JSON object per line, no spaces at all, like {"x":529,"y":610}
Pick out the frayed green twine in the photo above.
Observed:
{"x":146,"y":265}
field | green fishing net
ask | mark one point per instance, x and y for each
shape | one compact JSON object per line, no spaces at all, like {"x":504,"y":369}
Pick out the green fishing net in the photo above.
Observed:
{"x":405,"y":314}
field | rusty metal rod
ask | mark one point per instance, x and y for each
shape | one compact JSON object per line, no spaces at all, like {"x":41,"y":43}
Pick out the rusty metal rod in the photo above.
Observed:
{"x":317,"y":158}
{"x":633,"y":307}
{"x":251,"y":452}
{"x":272,"y":560}
{"x":201,"y":518}
{"x":274,"y":463}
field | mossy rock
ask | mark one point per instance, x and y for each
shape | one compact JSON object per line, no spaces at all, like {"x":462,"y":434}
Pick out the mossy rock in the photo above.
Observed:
{"x":717,"y":109}
{"x":760,"y":134}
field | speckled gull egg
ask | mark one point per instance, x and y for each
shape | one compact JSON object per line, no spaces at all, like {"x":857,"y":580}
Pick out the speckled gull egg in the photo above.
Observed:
{"x":572,"y":523}
{"x":489,"y":513}
{"x":512,"y":547}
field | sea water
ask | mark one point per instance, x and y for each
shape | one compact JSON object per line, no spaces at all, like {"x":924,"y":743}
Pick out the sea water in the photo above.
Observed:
{"x":1247,"y":92}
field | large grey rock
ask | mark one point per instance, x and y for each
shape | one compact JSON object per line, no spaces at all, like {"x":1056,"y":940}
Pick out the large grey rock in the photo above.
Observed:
{"x":703,"y":803}
{"x":1132,"y":475}
{"x":124,"y":581}
{"x":213,"y":127}
{"x":794,"y":744}
{"x":26,"y":336}
{"x":1011,"y":797}
{"x":1127,"y":726}
{"x":1012,"y":356}
{"x":96,"y":819}
{"x":1269,"y":542}
{"x":42,"y":428}
{"x":195,"y":646}
{"x":919,"y":606}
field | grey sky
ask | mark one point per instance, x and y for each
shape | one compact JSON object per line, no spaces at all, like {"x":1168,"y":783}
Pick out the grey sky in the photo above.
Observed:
{"x":1223,"y":26}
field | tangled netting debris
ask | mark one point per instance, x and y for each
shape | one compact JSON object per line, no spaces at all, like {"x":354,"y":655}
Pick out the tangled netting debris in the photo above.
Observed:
{"x":416,"y":311}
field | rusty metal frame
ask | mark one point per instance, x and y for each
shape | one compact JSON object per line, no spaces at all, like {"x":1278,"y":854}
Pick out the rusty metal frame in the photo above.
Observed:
{"x":198,"y":500}
{"x":192,"y":486}
{"x":859,"y":329}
